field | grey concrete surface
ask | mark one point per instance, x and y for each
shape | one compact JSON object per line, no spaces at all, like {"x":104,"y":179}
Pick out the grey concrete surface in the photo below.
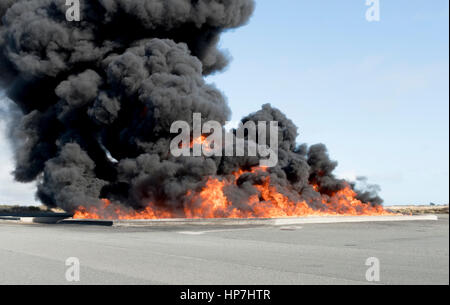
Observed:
{"x":409,"y":253}
{"x":245,"y":222}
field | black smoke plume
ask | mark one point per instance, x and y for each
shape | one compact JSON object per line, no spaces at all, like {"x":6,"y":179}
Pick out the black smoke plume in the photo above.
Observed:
{"x":93,"y":102}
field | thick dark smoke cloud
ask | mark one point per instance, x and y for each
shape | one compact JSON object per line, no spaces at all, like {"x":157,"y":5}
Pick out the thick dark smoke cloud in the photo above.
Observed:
{"x":95,"y":100}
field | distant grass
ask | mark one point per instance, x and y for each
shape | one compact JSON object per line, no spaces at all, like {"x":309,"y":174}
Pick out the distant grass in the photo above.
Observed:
{"x":26,"y":209}
{"x":419,"y":210}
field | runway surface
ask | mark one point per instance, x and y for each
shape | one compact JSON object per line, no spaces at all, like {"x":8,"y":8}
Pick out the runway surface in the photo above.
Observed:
{"x":409,"y":253}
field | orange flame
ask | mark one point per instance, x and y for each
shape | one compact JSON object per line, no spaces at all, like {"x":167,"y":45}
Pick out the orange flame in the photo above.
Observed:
{"x":200,"y":141}
{"x":113,"y":211}
{"x":212,"y":202}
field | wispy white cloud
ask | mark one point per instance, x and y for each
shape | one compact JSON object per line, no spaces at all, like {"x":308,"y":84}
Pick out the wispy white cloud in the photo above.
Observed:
{"x":12,"y":192}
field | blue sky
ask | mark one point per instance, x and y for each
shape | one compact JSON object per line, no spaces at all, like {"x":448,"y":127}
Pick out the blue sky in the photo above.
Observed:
{"x":375,"y":93}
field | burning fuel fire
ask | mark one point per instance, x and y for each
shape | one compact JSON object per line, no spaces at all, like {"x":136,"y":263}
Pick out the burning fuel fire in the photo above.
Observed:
{"x":211,"y":202}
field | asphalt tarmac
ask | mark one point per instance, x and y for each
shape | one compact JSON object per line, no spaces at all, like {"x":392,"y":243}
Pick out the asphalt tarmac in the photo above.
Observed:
{"x":415,"y":252}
